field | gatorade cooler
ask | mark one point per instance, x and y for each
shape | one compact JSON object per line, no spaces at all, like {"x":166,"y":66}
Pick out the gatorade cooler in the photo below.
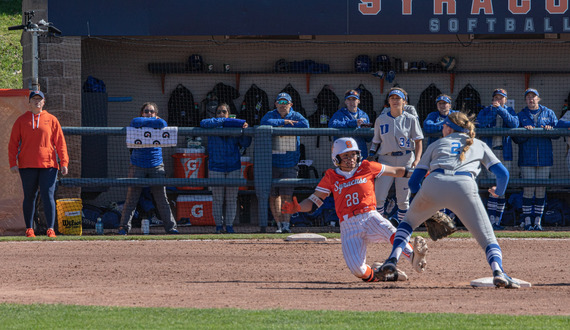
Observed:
{"x":69,"y":219}
{"x":190,"y":163}
{"x":195,"y":208}
{"x":245,"y":162}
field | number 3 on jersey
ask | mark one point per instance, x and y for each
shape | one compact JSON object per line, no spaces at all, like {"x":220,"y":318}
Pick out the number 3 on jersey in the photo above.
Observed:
{"x":352,"y":199}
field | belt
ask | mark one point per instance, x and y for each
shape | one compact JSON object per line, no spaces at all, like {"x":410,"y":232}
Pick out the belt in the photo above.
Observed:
{"x":362,"y":210}
{"x":399,"y":153}
{"x":441,"y":170}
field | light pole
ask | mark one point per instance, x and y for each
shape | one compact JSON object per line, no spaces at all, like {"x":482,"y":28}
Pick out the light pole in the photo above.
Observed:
{"x":35,"y":28}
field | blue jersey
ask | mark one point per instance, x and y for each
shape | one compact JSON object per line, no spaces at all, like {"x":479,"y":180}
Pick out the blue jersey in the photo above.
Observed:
{"x":434,"y":123}
{"x":273,"y":118}
{"x":487,"y":118}
{"x":344,"y":118}
{"x":535,"y":151}
{"x":224,"y":151}
{"x":147,"y":157}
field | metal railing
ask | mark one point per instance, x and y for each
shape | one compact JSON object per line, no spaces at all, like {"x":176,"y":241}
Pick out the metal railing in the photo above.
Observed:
{"x":262,"y":159}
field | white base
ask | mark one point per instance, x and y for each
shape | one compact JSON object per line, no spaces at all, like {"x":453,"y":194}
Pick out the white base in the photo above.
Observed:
{"x":487,"y":282}
{"x":308,"y":237}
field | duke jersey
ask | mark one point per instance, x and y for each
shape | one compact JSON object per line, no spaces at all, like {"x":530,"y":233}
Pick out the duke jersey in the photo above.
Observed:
{"x":353,"y":195}
{"x":396,"y":134}
{"x":444,"y":153}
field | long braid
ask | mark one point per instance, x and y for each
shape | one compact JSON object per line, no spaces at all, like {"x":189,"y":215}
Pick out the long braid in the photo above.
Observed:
{"x":462,"y":120}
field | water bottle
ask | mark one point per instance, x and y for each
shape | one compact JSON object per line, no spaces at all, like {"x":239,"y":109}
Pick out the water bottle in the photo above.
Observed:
{"x":99,"y":226}
{"x":145,"y":226}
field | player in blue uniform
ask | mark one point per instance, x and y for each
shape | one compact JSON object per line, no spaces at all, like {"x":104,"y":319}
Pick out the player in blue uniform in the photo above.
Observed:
{"x":352,"y":117}
{"x":284,"y":163}
{"x":535,"y":156}
{"x":498,"y":115}
{"x":434,"y":120}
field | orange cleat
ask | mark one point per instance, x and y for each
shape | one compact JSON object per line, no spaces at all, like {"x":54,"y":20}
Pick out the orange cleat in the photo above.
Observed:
{"x":30,"y":232}
{"x":50,"y":233}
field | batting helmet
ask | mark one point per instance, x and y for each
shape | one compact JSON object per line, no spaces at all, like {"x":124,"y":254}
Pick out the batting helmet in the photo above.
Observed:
{"x":341,"y":146}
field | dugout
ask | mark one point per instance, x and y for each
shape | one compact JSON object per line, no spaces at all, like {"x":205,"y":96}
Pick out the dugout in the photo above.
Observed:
{"x":498,"y":45}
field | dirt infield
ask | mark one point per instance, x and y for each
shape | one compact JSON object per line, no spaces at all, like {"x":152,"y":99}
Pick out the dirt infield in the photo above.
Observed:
{"x":260,"y":274}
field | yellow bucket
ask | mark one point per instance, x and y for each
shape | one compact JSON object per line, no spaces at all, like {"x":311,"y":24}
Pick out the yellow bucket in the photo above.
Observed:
{"x":69,"y":218}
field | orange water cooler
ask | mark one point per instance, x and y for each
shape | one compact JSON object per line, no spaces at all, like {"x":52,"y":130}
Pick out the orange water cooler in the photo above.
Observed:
{"x":246,"y":165}
{"x":190,"y":163}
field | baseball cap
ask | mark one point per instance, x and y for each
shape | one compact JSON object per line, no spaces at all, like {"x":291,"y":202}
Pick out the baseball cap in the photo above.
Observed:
{"x":531,"y":90}
{"x":500,"y":91}
{"x":34,"y":93}
{"x":352,"y":93}
{"x":284,"y":96}
{"x":399,"y":93}
{"x":443,"y":98}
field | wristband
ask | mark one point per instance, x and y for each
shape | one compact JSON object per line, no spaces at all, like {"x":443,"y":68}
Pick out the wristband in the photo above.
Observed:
{"x":318,"y":202}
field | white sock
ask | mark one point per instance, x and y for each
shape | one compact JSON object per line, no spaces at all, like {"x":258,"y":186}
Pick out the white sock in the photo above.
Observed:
{"x":527,"y":221}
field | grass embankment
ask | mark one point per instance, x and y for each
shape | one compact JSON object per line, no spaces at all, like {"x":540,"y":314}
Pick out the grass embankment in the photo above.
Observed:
{"x":10,"y":47}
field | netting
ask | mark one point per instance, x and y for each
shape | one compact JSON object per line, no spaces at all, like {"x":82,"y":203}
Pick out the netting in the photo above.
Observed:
{"x":135,"y":71}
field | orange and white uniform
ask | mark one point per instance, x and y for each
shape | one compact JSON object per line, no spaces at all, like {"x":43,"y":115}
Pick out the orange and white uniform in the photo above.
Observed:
{"x":355,"y":204}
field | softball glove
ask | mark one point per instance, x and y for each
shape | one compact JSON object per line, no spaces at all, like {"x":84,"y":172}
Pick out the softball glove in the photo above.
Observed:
{"x":440,"y":225}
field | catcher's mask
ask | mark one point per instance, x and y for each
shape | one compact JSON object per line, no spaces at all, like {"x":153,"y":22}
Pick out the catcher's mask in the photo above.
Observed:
{"x":341,"y":146}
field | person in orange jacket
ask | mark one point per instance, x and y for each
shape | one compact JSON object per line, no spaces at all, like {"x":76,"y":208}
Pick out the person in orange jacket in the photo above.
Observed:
{"x":36,"y":143}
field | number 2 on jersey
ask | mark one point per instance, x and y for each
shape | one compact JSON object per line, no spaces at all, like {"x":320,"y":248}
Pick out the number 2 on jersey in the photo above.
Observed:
{"x":352,"y":199}
{"x":455,"y":148}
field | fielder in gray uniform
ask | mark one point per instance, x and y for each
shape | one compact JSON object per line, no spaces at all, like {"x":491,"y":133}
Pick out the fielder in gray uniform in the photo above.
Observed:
{"x":396,"y":142}
{"x":453,"y":162}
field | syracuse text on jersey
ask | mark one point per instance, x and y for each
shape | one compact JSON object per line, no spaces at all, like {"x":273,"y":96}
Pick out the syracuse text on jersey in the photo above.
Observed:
{"x":343,"y":185}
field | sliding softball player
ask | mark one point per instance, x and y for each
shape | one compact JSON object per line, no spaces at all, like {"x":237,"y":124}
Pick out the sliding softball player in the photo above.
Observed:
{"x":352,"y":186}
{"x":453,"y":162}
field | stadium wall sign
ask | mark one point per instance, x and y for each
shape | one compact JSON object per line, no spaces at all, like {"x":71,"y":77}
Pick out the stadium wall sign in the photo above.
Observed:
{"x":302,"y":17}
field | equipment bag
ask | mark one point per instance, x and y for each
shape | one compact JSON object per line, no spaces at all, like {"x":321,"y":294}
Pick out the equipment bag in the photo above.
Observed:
{"x":221,"y":93}
{"x":426,"y":103}
{"x":254,"y":106}
{"x":195,"y":63}
{"x":468,"y":100}
{"x":362,"y":63}
{"x":383,"y":63}
{"x":181,"y":109}
{"x":94,"y":85}
{"x":327,"y":104}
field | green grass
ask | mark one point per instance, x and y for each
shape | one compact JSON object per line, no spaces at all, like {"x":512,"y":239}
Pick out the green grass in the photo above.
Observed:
{"x":10,"y":48}
{"x":97,"y":317}
{"x":114,"y":237}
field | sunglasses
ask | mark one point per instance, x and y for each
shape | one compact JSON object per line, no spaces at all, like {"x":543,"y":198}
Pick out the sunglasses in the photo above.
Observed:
{"x":221,"y":111}
{"x":149,"y":111}
{"x":282,"y":102}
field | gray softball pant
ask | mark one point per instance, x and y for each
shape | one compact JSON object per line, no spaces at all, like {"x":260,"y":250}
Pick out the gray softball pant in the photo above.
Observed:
{"x":460,"y":194}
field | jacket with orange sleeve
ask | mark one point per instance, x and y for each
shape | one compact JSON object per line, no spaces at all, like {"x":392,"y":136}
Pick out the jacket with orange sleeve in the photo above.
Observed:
{"x":35,"y":140}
